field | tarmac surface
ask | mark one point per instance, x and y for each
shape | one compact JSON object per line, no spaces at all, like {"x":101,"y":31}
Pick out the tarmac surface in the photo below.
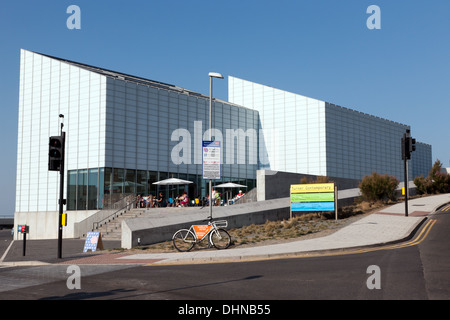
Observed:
{"x":386,"y":226}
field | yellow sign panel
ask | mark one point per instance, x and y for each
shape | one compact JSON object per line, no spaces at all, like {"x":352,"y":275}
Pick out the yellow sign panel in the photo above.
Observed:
{"x":312,"y":188}
{"x":64,"y":219}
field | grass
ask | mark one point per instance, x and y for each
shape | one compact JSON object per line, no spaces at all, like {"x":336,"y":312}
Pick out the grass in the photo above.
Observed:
{"x":281,"y":230}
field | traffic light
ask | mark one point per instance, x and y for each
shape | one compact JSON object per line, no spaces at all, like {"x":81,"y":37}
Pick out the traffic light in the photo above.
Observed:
{"x":403,"y":147}
{"x":412,"y":145}
{"x":56,"y":153}
{"x":408,"y":146}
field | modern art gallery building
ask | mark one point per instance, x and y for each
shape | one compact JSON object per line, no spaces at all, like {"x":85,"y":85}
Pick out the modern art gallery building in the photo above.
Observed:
{"x":123,"y":133}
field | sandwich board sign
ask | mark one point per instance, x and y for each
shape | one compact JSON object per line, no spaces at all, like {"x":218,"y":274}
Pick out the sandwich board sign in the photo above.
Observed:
{"x":313,"y":197}
{"x":93,"y":242}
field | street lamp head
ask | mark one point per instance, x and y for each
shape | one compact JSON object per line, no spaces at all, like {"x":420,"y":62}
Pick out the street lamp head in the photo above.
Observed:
{"x":215,"y":75}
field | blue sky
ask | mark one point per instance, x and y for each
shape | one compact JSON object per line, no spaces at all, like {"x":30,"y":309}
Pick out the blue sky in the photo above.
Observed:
{"x":321,"y":49}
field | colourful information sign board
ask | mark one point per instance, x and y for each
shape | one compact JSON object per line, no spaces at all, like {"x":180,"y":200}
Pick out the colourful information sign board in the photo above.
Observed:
{"x":313,"y":197}
{"x":312,"y":188}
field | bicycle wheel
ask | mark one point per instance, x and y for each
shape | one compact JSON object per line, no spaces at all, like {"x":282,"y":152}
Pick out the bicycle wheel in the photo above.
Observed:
{"x":183,"y":240}
{"x":220,"y":239}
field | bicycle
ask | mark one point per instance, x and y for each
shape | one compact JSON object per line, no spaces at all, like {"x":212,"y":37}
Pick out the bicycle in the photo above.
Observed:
{"x":185,"y":239}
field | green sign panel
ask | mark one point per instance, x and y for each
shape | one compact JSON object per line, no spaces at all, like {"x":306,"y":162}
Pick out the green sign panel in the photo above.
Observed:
{"x":312,"y":197}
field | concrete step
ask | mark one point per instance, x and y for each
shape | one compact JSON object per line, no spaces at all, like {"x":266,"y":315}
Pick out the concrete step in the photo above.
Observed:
{"x":112,"y":229}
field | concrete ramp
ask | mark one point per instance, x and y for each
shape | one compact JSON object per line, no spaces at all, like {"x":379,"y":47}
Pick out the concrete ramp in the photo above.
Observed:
{"x":161,"y":226}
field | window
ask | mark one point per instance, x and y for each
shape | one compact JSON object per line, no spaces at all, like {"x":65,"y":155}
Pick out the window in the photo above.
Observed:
{"x":72,"y":190}
{"x":93,"y":191}
{"x":82,"y":190}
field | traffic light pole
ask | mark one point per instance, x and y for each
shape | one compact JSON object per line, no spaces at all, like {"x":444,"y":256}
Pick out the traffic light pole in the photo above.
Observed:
{"x":406,"y":187}
{"x":408,"y":146}
{"x":61,"y":196}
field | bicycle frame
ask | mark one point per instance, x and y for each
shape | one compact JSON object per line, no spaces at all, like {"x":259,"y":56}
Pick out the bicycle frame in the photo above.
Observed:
{"x":203,"y":231}
{"x":196,"y":233}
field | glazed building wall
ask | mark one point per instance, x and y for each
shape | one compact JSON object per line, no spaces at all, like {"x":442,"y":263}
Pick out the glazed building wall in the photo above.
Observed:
{"x":48,"y":88}
{"x":294,"y":138}
{"x":118,"y":124}
{"x":146,"y":127}
{"x":359,"y":144}
{"x":421,"y":160}
{"x":309,"y":136}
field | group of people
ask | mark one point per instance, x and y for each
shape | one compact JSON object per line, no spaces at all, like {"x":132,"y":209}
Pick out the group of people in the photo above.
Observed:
{"x":161,"y":202}
{"x":217,"y":201}
{"x":180,"y":201}
{"x":150,"y":201}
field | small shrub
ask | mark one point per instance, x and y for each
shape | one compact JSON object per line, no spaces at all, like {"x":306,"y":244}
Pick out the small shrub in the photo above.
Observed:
{"x":379,"y":187}
{"x":436,"y":182}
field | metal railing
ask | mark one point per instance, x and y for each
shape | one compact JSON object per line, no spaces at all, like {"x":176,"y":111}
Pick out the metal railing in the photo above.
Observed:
{"x":124,"y":204}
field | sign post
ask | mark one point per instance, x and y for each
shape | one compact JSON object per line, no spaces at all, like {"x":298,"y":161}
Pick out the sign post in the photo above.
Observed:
{"x":211,"y":166}
{"x":24,"y":229}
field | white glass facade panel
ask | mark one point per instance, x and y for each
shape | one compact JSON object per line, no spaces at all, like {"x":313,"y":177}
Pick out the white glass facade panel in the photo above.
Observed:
{"x":49,"y":88}
{"x":310,"y":136}
{"x":293,"y":125}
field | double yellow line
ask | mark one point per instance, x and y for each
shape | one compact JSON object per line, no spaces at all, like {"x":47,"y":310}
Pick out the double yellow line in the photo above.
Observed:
{"x":445,"y":209}
{"x":422,"y":235}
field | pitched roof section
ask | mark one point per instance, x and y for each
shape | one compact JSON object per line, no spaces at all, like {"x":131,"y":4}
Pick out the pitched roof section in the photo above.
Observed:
{"x":126,"y":77}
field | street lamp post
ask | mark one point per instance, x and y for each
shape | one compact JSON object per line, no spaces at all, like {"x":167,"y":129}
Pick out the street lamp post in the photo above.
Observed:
{"x":211,"y":76}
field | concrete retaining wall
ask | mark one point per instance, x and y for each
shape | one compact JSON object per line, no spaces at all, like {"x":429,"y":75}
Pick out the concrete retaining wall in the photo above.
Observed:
{"x":44,"y":225}
{"x":161,"y":227}
{"x":276,"y":184}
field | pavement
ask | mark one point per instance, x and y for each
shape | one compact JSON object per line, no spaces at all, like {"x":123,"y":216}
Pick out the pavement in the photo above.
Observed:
{"x":384,"y":227}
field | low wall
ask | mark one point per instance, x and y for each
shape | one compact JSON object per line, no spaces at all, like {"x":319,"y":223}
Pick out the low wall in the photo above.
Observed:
{"x":44,"y":224}
{"x":161,"y":227}
{"x":86,"y":225}
{"x":276,"y":184}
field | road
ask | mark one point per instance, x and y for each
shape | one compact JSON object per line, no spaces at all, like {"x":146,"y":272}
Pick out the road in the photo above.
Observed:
{"x":418,"y":269}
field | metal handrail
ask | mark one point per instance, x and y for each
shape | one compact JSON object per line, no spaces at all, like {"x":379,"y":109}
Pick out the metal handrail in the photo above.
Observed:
{"x":127,"y":204}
